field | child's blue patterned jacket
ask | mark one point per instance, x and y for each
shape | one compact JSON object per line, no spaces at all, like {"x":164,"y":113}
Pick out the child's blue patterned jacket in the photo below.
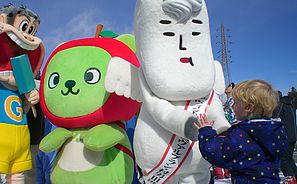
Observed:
{"x":250,"y":149}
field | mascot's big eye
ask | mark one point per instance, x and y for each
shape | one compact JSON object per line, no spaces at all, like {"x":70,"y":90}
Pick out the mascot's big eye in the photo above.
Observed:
{"x":23,"y":26}
{"x":53,"y":80}
{"x":30,"y":31}
{"x":92,"y":76}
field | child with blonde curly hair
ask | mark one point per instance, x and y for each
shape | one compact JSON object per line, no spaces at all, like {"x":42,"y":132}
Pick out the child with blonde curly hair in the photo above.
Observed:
{"x":251,"y":148}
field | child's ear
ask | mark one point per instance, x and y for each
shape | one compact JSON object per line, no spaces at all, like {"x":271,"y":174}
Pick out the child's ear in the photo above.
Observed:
{"x":249,"y":108}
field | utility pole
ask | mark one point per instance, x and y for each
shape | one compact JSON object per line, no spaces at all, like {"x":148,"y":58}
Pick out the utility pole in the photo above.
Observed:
{"x":224,"y":54}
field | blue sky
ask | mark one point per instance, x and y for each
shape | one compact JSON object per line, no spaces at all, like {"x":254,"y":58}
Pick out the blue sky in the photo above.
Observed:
{"x":263,"y":32}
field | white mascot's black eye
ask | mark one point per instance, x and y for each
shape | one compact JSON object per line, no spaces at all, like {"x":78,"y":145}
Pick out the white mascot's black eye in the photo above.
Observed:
{"x":53,"y":80}
{"x":92,"y":76}
{"x":23,"y":26}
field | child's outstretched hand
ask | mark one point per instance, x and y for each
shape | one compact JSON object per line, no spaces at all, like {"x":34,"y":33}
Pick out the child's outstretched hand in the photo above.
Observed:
{"x":203,"y":122}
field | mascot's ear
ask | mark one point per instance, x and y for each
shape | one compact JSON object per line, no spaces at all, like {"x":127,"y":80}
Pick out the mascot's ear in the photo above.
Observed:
{"x":3,"y":18}
{"x":122,"y":78}
{"x":220,"y":81}
{"x":129,"y":40}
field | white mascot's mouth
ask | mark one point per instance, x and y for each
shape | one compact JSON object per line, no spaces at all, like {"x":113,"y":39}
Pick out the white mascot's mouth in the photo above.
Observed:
{"x":187,"y":60}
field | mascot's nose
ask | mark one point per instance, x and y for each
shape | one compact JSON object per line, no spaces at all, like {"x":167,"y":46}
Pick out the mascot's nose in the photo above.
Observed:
{"x":181,"y":46}
{"x":28,"y":37}
{"x":70,"y":83}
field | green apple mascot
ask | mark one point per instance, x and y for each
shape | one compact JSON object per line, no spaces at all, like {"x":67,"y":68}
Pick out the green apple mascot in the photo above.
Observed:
{"x":92,"y":143}
{"x":179,"y":80}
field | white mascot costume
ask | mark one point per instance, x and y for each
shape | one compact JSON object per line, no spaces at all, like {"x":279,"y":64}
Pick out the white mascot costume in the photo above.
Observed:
{"x":179,"y":80}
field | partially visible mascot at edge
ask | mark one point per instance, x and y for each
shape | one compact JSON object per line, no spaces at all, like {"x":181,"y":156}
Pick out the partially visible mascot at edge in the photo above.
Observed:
{"x":179,"y":80}
{"x":18,"y":27}
{"x":91,"y":139}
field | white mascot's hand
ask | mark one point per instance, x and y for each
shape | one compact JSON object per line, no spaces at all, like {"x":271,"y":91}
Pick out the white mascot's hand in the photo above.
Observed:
{"x":122,"y":78}
{"x":174,"y":119}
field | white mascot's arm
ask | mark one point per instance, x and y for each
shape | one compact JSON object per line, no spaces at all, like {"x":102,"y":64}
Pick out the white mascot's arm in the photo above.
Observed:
{"x":122,"y":78}
{"x":219,"y":85}
{"x":170,"y":117}
{"x":215,"y":111}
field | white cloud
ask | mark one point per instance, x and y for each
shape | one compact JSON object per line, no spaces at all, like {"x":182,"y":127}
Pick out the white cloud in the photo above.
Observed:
{"x":81,"y":26}
{"x":293,"y":71}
